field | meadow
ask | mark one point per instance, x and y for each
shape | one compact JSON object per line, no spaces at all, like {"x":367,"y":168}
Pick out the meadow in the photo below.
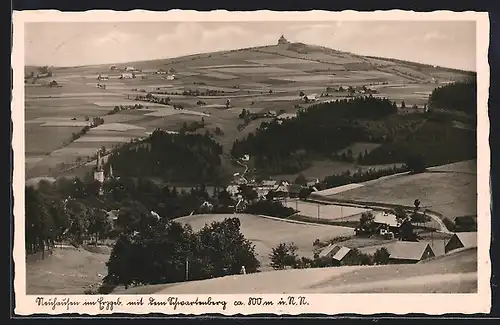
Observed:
{"x":453,"y":273}
{"x":445,"y":190}
{"x":266,"y":233}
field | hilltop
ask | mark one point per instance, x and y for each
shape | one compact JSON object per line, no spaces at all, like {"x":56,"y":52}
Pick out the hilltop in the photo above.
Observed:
{"x":215,"y":87}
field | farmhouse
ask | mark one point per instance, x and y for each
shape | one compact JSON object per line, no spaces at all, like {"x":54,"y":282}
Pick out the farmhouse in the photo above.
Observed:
{"x":282,"y":187}
{"x":269,"y":184}
{"x":466,"y":223}
{"x":102,"y":77}
{"x":294,"y":190}
{"x":233,"y":189}
{"x":171,"y":77}
{"x":406,"y":252}
{"x":127,"y":76}
{"x":386,"y":222}
{"x":286,"y":116}
{"x":461,"y":240}
{"x":311,"y":181}
{"x":310,"y":98}
{"x":161,"y":71}
{"x":272,"y":113}
{"x":130,"y":68}
{"x":337,"y":253}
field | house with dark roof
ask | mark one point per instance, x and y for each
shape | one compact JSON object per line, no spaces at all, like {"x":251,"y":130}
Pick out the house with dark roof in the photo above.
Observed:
{"x":336,"y":252}
{"x":294,"y":190}
{"x":461,"y":240}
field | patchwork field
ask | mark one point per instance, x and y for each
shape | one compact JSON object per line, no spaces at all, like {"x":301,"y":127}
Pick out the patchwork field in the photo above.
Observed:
{"x":266,"y":233}
{"x":245,"y":77}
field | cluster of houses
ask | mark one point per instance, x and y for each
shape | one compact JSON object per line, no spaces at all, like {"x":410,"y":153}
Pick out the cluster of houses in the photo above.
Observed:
{"x":131,"y":72}
{"x":406,"y":252}
{"x":281,"y":189}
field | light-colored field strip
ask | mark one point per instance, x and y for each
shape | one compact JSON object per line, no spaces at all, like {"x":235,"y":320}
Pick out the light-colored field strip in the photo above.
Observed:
{"x":117,"y":127}
{"x":219,"y":75}
{"x":339,"y":189}
{"x":327,"y":212}
{"x":66,"y":124}
{"x":103,"y":139}
{"x":68,"y":151}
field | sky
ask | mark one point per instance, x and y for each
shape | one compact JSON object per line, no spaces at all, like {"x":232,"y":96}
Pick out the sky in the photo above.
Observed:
{"x":444,"y":43}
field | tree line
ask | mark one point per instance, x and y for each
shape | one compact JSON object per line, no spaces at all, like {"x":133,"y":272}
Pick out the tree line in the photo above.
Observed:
{"x":190,"y":158}
{"x":457,"y":96}
{"x":71,"y":210}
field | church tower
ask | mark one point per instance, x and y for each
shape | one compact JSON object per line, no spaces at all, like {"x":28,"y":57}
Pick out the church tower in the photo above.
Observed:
{"x":99,"y":172}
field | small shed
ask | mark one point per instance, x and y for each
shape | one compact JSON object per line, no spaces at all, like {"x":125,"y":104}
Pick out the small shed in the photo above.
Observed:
{"x":311,"y":181}
{"x":461,"y":240}
{"x":336,"y":252}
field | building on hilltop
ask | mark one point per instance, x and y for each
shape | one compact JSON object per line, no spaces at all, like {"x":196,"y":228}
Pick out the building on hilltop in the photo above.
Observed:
{"x":282,"y":40}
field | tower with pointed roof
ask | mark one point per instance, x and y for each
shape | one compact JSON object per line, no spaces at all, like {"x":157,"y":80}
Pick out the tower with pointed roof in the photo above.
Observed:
{"x":282,"y":40}
{"x":99,"y":172}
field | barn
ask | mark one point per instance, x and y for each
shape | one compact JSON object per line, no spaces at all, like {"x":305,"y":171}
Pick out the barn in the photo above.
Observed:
{"x":406,"y":252}
{"x":461,"y":240}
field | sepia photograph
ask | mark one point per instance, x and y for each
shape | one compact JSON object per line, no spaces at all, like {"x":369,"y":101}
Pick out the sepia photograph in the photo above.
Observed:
{"x":173,"y":162}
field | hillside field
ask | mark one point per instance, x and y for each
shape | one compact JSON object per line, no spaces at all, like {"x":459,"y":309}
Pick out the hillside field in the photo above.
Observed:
{"x":450,"y":190}
{"x":66,"y":271}
{"x":266,"y":233}
{"x":259,"y":79}
{"x":453,"y":273}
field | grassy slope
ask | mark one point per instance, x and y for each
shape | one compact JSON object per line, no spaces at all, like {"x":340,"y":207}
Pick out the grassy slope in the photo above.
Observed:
{"x":449,"y":189}
{"x":452,"y":273}
{"x":67,"y":271}
{"x":267,"y":233}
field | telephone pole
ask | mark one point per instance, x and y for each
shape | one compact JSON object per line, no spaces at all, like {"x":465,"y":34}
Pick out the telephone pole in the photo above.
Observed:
{"x":318,"y":211}
{"x":187,"y":268}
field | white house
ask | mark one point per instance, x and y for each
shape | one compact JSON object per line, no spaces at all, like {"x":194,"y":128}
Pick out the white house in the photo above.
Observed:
{"x":310,"y":97}
{"x":286,"y":116}
{"x":102,"y":77}
{"x":161,"y":71}
{"x":282,"y":187}
{"x":127,"y":76}
{"x":171,"y":77}
{"x":233,"y":190}
{"x":130,"y":68}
